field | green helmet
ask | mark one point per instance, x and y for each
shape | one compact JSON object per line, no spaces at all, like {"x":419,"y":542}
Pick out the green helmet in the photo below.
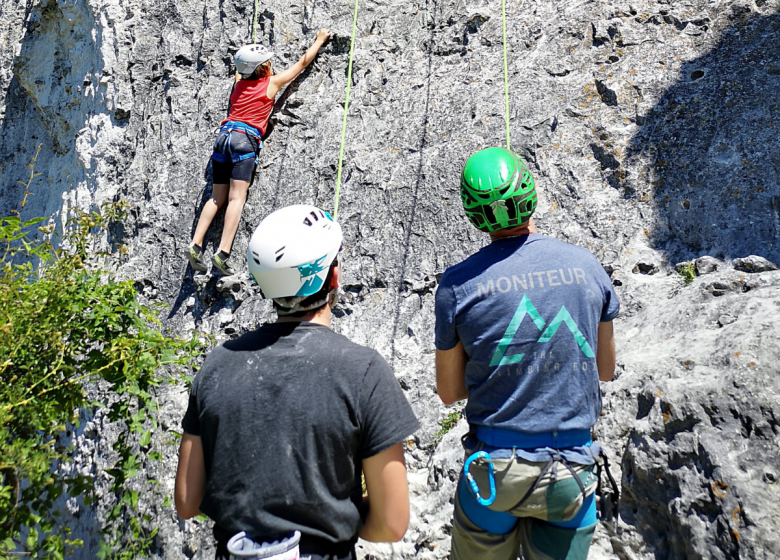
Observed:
{"x":497,"y":190}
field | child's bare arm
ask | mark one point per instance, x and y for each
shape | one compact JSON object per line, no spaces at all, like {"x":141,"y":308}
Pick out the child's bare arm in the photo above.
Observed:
{"x":283,"y":78}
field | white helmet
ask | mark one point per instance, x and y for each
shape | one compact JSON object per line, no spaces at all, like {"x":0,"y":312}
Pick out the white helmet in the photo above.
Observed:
{"x":291,"y":252}
{"x":250,"y":57}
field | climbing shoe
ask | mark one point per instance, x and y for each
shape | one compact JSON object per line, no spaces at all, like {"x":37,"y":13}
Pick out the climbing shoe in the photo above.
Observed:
{"x":195,"y":257}
{"x":220,"y":260}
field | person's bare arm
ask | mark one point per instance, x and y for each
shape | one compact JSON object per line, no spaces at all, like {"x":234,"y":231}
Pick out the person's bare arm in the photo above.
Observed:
{"x":190,"y":477}
{"x":451,"y":374}
{"x":388,"y":496}
{"x":283,"y":78}
{"x":605,"y":353}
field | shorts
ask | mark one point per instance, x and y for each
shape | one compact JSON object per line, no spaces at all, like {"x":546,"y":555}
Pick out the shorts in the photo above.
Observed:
{"x":554,"y":523}
{"x":233,"y":143}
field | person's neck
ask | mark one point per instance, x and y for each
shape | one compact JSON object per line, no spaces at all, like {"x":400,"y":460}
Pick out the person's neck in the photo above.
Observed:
{"x":517,"y":231}
{"x":321,"y":317}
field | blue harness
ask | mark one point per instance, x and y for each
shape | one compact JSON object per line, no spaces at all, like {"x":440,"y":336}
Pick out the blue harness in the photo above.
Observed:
{"x":244,"y":128}
{"x":475,"y":506}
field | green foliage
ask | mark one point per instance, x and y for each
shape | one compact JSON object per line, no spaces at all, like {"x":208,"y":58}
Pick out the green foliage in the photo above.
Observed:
{"x":687,"y":271}
{"x":448,"y":424}
{"x":66,"y":324}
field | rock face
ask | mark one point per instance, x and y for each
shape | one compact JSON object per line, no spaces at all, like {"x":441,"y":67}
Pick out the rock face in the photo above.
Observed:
{"x":651,"y":127}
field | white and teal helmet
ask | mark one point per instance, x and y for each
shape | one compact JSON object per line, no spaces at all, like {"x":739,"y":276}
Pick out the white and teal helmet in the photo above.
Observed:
{"x":250,"y":57}
{"x":291,"y":253}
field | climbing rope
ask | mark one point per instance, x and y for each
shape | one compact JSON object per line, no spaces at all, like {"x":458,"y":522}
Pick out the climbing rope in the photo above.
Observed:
{"x":506,"y":73}
{"x":254,"y":26}
{"x":346,"y":111}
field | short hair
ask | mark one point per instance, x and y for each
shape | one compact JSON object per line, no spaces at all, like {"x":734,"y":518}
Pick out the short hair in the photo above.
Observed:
{"x":263,"y":70}
{"x":300,"y":306}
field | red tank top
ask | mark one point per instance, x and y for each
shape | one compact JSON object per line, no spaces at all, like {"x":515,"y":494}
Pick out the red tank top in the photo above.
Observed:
{"x":250,"y":105}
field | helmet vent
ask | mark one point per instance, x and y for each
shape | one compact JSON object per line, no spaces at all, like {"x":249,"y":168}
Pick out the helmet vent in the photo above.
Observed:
{"x":278,"y":258}
{"x":257,"y":262}
{"x":307,"y":221}
{"x":314,"y":215}
{"x":279,"y":253}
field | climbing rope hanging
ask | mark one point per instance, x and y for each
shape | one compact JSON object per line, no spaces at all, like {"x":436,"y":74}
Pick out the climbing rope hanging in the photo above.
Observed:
{"x":346,"y":111}
{"x":506,"y":73}
{"x":254,"y":25}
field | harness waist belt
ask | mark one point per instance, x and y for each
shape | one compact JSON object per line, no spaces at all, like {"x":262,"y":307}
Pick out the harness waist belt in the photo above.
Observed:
{"x":501,"y":437}
{"x":242,"y":127}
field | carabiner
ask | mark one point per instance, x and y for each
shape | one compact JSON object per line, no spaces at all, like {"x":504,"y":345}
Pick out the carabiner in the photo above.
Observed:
{"x":473,"y":483}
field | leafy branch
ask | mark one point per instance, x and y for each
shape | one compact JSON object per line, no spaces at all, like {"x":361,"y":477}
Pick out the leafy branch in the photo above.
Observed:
{"x":67,"y":324}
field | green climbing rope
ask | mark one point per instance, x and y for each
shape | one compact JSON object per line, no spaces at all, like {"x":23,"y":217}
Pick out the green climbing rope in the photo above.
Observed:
{"x":506,"y":73}
{"x":254,"y":26}
{"x":346,"y":111}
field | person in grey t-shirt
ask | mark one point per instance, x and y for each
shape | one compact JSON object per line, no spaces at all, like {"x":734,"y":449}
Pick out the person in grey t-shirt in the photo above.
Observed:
{"x":282,"y":421}
{"x":524,"y":332}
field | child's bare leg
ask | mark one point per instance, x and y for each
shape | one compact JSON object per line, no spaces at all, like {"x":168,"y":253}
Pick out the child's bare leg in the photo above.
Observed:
{"x":235,"y":206}
{"x":218,"y":197}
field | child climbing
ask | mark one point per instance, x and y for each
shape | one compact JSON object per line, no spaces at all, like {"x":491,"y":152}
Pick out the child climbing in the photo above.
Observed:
{"x":238,"y":144}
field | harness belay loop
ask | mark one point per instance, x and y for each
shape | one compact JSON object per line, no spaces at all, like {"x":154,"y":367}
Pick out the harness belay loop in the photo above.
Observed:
{"x":473,"y":483}
{"x":241,"y":547}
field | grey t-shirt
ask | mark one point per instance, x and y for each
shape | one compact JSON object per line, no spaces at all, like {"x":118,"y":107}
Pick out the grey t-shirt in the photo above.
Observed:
{"x":286,"y":414}
{"x":527,"y":311}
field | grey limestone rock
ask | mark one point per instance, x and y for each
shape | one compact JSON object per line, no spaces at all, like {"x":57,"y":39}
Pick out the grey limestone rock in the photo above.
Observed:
{"x":754,"y":263}
{"x":650,"y":126}
{"x":707,"y":265}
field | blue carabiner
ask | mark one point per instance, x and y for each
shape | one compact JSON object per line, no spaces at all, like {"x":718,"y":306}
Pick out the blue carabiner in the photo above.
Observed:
{"x":473,"y":483}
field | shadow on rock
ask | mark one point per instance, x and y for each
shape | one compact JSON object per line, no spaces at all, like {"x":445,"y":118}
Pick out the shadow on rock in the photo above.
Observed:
{"x":708,"y":152}
{"x":59,"y":86}
{"x":419,"y":178}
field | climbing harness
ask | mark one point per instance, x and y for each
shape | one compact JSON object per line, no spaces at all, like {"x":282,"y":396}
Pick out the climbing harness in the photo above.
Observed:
{"x":474,"y":506}
{"x":241,"y":547}
{"x":346,"y":111}
{"x":473,"y":483}
{"x":552,"y":468}
{"x":506,"y":73}
{"x":225,"y":153}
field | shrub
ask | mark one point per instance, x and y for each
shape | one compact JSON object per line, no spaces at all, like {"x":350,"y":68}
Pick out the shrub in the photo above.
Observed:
{"x":67,"y":324}
{"x":448,"y":424}
{"x":687,"y":271}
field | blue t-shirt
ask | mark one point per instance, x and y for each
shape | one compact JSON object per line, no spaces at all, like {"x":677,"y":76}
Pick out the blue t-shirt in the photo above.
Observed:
{"x":527,"y":311}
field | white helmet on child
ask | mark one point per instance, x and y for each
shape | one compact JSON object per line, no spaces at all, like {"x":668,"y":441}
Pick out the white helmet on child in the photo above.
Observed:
{"x":291,"y":252}
{"x":250,"y":57}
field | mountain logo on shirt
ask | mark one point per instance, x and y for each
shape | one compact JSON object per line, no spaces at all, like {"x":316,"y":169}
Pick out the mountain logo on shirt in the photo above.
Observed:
{"x":500,"y":357}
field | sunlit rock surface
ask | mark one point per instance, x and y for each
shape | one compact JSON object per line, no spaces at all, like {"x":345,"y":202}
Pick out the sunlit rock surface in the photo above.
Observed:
{"x":651,"y":127}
